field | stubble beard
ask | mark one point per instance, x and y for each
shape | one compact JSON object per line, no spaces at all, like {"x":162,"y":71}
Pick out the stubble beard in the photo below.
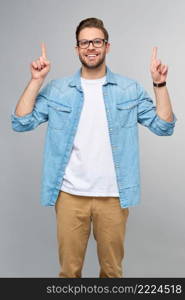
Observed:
{"x":93,"y":66}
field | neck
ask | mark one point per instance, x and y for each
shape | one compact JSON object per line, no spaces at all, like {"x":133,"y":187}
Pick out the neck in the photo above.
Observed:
{"x":93,"y":73}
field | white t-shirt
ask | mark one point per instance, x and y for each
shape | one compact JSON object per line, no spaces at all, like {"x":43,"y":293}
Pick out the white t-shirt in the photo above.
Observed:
{"x":90,"y":170}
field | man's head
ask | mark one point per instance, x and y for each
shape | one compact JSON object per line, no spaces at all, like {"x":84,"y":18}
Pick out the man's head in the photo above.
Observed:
{"x":92,"y":55}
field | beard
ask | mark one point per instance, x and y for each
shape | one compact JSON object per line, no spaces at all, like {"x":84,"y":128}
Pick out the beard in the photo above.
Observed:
{"x":92,"y":65}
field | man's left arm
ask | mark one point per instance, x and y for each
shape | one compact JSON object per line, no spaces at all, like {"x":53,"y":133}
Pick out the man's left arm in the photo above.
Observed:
{"x":159,"y":118}
{"x":159,"y":73}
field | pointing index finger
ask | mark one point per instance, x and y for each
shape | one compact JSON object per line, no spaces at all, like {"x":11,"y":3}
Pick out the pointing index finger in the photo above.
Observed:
{"x":154,"y":53}
{"x":43,"y":50}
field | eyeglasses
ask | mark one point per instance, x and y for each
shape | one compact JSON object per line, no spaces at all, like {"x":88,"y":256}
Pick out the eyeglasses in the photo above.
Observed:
{"x":97,"y":43}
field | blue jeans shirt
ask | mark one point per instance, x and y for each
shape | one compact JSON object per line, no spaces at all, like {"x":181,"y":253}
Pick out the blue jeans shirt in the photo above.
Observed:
{"x":60,"y":103}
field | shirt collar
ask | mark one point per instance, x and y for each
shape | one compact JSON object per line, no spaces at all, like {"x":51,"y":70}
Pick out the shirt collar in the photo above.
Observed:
{"x":76,"y":79}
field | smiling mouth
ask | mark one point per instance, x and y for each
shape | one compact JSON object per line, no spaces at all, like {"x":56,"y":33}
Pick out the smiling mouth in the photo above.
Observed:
{"x":91,"y":56}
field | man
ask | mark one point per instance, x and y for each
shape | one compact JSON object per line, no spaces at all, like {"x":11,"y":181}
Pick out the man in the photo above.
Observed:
{"x":91,"y":160}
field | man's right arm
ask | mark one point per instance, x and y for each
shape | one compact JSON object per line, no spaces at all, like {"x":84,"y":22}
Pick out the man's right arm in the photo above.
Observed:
{"x":31,"y":109}
{"x":26,"y":102}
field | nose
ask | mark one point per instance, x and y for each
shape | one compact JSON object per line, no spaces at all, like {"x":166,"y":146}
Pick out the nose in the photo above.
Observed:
{"x":91,"y":46}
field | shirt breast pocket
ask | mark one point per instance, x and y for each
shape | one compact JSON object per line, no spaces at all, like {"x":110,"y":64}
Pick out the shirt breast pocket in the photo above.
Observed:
{"x":59,"y":115}
{"x":127,"y":113}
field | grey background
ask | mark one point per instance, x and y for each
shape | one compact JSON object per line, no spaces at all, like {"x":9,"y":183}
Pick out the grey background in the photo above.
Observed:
{"x":154,"y":244}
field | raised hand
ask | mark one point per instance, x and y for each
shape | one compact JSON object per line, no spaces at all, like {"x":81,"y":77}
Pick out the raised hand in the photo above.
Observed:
{"x":41,"y":66}
{"x":158,"y":70}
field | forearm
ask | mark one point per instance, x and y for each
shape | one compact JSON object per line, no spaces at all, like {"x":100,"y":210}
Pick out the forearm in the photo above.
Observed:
{"x":27,"y":100}
{"x":163,"y":103}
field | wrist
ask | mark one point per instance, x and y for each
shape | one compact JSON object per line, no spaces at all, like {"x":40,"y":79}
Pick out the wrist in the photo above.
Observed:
{"x":36,"y":82}
{"x":159,"y":84}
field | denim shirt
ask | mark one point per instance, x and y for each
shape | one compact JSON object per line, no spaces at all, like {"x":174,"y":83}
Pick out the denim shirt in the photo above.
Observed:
{"x":127,"y":104}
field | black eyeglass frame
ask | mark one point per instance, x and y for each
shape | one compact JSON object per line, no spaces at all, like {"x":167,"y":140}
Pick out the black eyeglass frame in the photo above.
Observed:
{"x":92,"y":41}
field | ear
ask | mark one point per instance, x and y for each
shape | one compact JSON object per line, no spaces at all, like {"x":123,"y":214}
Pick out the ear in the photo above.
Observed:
{"x":76,"y":49}
{"x":107,"y":47}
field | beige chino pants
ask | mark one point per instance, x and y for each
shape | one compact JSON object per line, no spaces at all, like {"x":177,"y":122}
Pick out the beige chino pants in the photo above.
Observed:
{"x":74,"y":215}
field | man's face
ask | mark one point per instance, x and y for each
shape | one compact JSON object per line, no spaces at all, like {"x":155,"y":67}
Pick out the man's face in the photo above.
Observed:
{"x":92,"y":62}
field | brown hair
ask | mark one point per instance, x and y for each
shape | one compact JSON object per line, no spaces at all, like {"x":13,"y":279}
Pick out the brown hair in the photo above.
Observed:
{"x":91,"y":22}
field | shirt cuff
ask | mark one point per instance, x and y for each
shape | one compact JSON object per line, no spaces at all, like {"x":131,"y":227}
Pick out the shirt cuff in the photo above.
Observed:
{"x":165,"y":123}
{"x":23,"y":119}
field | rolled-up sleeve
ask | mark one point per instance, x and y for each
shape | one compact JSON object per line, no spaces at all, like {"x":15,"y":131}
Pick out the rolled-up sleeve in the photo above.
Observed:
{"x":37,"y":116}
{"x":148,"y":117}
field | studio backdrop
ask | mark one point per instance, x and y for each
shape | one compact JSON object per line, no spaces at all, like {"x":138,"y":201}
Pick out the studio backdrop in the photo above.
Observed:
{"x":154,"y":245}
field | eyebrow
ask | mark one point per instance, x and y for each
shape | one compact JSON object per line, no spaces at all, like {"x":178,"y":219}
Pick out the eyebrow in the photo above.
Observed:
{"x":92,"y":39}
